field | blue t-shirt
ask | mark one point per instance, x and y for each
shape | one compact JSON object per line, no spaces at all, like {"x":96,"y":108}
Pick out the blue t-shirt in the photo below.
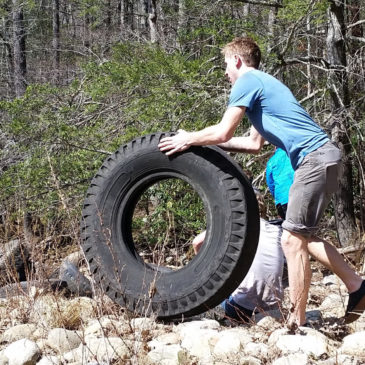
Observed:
{"x":277,"y":115}
{"x":279,"y":176}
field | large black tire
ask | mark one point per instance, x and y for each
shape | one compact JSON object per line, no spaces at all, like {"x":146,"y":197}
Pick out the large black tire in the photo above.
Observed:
{"x":228,"y":250}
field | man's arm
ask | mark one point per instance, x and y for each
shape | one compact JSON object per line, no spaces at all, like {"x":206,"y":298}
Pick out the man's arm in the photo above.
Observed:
{"x":216,"y":134}
{"x":270,"y":180}
{"x":251,"y":144}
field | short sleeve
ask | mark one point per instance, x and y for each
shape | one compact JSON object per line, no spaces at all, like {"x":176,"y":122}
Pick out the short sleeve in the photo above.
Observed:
{"x":246,"y":91}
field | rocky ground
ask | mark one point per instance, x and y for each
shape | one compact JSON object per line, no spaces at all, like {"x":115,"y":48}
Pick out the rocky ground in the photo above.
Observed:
{"x":44,"y":328}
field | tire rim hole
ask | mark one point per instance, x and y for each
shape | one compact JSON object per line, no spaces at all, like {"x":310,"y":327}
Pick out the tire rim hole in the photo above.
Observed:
{"x":166,"y":218}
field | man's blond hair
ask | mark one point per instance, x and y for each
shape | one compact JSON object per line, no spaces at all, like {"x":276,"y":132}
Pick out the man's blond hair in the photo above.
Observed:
{"x":246,"y":48}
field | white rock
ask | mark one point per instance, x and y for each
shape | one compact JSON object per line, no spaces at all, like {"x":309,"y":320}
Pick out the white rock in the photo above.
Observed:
{"x":311,"y":342}
{"x":199,"y":342}
{"x":73,"y":356}
{"x":50,"y":311}
{"x":49,"y":360}
{"x":42,"y":344}
{"x":267,"y":322}
{"x":228,"y":343}
{"x":343,"y":360}
{"x":294,"y":359}
{"x":244,"y":360}
{"x":165,"y":339}
{"x":142,"y":323}
{"x":105,"y":325}
{"x":354,"y":344}
{"x":256,"y":349}
{"x":3,"y":359}
{"x":40,"y":332}
{"x":86,"y":307}
{"x":330,"y":280}
{"x":44,"y":310}
{"x":169,"y":354}
{"x":193,"y":325}
{"x":18,"y":332}
{"x":242,"y":333}
{"x":22,"y":352}
{"x":101,"y":349}
{"x":332,"y":305}
{"x":62,"y":340}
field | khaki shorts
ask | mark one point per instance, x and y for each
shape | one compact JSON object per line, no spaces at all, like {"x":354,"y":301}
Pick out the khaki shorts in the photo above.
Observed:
{"x":315,"y":180}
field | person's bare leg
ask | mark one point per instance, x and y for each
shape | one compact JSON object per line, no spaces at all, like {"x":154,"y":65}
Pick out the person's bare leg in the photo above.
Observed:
{"x":198,"y":241}
{"x":296,"y":252}
{"x":328,"y":256}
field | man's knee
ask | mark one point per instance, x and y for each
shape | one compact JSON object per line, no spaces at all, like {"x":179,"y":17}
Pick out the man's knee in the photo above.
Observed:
{"x":293,"y":242}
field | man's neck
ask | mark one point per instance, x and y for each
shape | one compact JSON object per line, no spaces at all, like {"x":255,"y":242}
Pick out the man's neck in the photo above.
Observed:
{"x":244,"y":69}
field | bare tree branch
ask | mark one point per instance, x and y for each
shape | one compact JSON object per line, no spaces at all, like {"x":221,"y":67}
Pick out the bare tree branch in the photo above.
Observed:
{"x":305,"y":59}
{"x":355,"y":24}
{"x":310,"y":96}
{"x":359,"y":39}
{"x":262,"y":3}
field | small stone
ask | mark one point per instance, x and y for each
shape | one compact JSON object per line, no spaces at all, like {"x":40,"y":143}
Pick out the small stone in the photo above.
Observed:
{"x":22,"y":352}
{"x":330,"y":280}
{"x":354,"y":344}
{"x":170,"y":354}
{"x":18,"y":332}
{"x":309,"y":341}
{"x":294,"y":359}
{"x":228,"y":343}
{"x":62,"y":340}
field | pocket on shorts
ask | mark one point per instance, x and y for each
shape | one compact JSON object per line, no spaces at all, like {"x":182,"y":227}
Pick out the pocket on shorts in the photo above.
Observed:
{"x":332,"y":176}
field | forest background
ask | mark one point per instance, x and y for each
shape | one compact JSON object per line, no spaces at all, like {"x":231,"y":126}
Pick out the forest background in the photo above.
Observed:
{"x":79,"y":78}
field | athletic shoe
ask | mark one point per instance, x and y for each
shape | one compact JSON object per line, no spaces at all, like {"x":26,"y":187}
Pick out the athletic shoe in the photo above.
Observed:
{"x":356,"y":304}
{"x":235,"y":311}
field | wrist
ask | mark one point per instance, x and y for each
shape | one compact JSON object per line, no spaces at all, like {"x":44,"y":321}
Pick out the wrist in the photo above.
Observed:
{"x":191,"y":140}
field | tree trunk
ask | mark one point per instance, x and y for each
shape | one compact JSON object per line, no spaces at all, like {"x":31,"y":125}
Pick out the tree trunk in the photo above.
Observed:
{"x":146,"y":10}
{"x":126,"y":17}
{"x":338,"y":85}
{"x":7,"y":70}
{"x":19,"y":36}
{"x":309,"y":52}
{"x":56,"y":40}
{"x":152,"y":21}
{"x":182,"y":23}
{"x":87,"y":32}
{"x":108,"y":19}
{"x":246,"y":10}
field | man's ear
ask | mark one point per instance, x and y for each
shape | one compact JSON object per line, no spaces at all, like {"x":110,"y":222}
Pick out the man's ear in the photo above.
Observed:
{"x":238,"y":61}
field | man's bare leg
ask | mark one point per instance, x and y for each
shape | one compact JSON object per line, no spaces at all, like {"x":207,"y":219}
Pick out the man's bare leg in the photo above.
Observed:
{"x":328,"y":256}
{"x":295,"y":248}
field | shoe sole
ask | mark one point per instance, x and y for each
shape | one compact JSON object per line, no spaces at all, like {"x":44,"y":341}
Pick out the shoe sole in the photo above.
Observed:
{"x":356,"y":312}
